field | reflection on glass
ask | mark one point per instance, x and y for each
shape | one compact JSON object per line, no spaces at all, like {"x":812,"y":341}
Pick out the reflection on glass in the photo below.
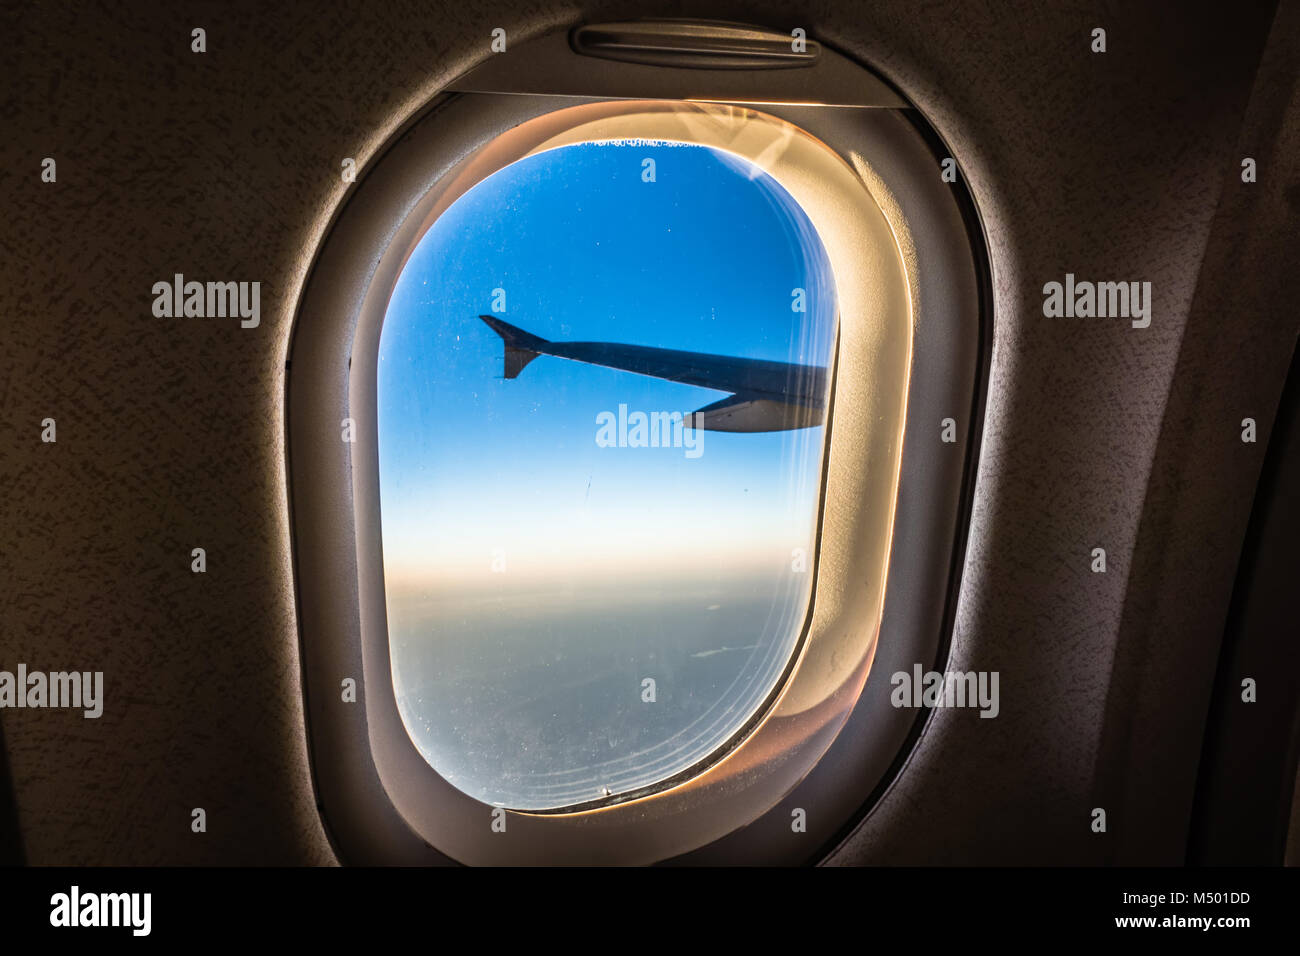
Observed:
{"x":589,"y":589}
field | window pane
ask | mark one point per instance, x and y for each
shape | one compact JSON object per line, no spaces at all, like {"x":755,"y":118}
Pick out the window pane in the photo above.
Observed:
{"x":585,"y":595}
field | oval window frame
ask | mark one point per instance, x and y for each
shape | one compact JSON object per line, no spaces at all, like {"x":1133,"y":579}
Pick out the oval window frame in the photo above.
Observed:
{"x":743,"y":133}
{"x":459,"y":141}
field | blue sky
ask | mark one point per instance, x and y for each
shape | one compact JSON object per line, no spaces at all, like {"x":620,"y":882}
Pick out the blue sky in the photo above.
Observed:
{"x":703,"y":259}
{"x":522,"y":687}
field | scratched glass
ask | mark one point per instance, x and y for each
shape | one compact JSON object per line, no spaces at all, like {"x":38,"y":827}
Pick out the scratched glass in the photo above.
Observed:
{"x":602,"y":399}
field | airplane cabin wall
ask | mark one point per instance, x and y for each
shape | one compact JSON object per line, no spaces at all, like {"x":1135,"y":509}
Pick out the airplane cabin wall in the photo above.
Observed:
{"x":225,"y":165}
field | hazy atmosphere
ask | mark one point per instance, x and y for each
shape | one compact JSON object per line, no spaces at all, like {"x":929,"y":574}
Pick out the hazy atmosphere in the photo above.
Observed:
{"x":535,"y":579}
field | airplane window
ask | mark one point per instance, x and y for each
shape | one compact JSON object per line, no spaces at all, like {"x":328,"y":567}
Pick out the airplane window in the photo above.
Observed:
{"x":603,"y":383}
{"x":626,"y":355}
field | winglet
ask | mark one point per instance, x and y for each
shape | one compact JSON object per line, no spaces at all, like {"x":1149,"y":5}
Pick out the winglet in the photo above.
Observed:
{"x":520,"y":347}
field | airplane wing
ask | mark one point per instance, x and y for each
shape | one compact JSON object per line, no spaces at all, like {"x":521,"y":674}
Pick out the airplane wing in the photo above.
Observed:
{"x":767,"y":396}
